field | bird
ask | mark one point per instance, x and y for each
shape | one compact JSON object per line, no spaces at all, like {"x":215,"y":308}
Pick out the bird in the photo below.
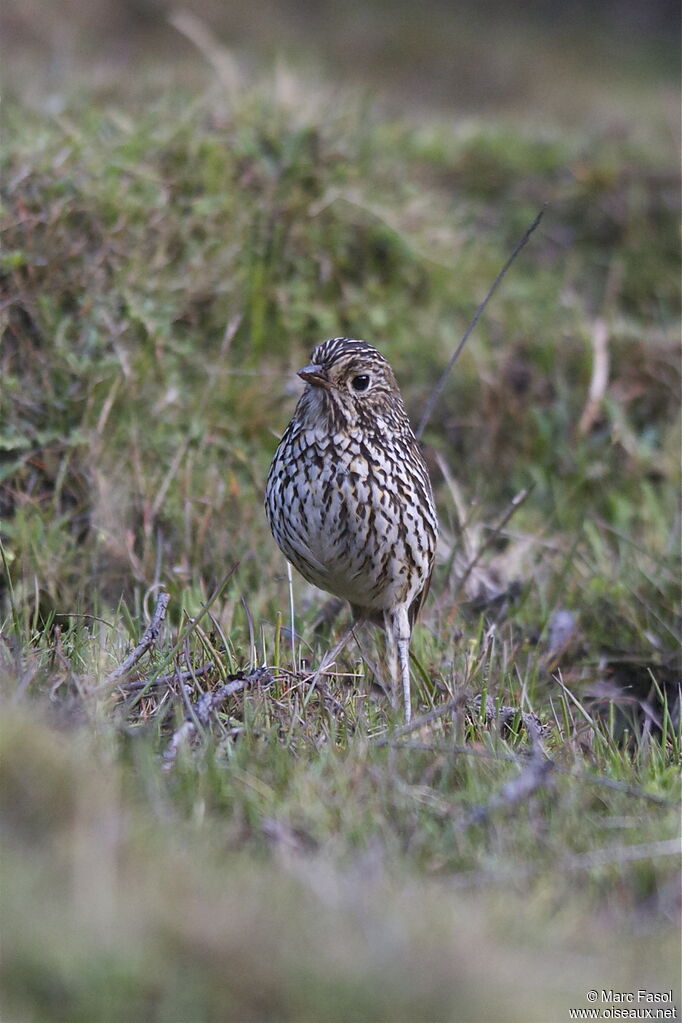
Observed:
{"x":348,"y":496}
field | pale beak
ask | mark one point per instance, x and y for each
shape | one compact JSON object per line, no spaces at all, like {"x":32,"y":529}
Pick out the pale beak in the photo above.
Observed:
{"x":315,"y":375}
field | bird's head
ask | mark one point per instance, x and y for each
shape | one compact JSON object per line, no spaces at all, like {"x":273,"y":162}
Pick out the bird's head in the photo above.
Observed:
{"x":352,"y":384}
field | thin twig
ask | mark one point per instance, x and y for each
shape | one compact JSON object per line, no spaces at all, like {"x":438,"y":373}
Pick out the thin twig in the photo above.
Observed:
{"x":607,"y":856}
{"x":318,"y":680}
{"x":452,"y":706}
{"x":532,"y":777}
{"x":191,"y":628}
{"x":148,"y":637}
{"x":438,"y":389}
{"x":207,"y":705}
{"x":455,"y":751}
{"x":459,"y":703}
{"x":620,"y":786}
{"x":513,"y":507}
{"x":85,"y":616}
{"x":164,"y":680}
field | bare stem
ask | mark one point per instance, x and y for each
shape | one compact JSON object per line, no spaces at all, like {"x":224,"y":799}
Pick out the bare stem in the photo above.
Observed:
{"x":438,"y":389}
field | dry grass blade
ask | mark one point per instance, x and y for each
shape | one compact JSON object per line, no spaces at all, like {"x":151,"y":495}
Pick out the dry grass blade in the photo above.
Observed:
{"x":600,"y":376}
{"x":167,"y":257}
{"x":490,"y":539}
{"x":438,"y":389}
{"x":217,"y":55}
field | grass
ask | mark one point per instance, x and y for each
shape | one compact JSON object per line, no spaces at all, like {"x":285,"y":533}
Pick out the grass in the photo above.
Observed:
{"x":166,"y":264}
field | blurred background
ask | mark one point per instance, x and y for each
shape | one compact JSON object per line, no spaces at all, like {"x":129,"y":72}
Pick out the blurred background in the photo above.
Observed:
{"x":469,"y":56}
{"x":190,"y":199}
{"x":256,"y":176}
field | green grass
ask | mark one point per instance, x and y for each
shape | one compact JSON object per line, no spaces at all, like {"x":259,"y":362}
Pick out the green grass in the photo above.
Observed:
{"x":166,"y":265}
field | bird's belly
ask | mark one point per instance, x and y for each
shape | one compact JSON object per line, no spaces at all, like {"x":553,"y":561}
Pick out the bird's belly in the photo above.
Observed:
{"x":351,"y":534}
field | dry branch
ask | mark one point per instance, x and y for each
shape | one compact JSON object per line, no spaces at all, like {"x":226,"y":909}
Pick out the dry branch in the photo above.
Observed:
{"x":534,"y":776}
{"x":451,"y":707}
{"x":165,"y":680}
{"x":607,"y":856}
{"x":194,"y":624}
{"x":149,"y":636}
{"x":484,"y":754}
{"x":206,"y":706}
{"x":505,"y":716}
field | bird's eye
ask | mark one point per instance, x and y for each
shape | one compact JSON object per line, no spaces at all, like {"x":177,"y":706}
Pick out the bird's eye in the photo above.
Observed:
{"x":360,"y":382}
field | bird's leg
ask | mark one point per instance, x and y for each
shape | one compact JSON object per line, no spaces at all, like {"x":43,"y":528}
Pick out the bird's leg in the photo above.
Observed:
{"x":391,"y":656}
{"x":404,"y":656}
{"x":398,"y":635}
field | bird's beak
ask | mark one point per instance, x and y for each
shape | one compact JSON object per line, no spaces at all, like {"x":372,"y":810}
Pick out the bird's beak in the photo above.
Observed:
{"x":316,"y":376}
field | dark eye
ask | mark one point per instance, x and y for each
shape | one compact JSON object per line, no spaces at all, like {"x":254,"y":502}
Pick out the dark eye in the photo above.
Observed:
{"x":360,"y":382}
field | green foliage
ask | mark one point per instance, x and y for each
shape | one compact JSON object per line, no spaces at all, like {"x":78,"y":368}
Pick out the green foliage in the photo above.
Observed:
{"x":161,"y":272}
{"x":165,"y":267}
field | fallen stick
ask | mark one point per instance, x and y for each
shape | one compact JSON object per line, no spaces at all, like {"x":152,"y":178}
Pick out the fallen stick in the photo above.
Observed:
{"x":206,"y":705}
{"x":149,"y":636}
{"x":532,"y":777}
{"x":194,"y":623}
{"x":164,"y":680}
{"x":473,"y":751}
{"x":607,"y":856}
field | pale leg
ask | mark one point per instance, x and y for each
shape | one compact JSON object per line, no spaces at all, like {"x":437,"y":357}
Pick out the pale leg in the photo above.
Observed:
{"x":398,"y":633}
